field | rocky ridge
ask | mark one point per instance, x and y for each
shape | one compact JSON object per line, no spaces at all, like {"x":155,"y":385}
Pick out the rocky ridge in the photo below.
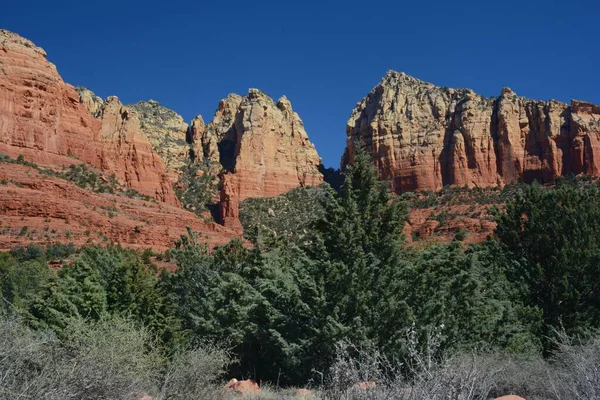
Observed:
{"x":43,"y":209}
{"x":423,"y":137}
{"x":260,"y":147}
{"x":42,"y":119}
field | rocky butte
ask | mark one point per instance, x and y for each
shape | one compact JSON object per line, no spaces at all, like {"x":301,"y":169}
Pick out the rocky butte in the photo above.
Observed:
{"x":259,"y":148}
{"x":422,"y":136}
{"x":51,"y":125}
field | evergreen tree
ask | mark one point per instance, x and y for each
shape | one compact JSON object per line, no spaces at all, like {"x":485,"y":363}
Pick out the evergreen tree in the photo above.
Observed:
{"x":360,"y":254}
{"x":75,"y":292}
{"x":260,"y":303}
{"x":132,"y":289}
{"x":20,"y":282}
{"x":553,"y":237}
{"x":465,"y":298}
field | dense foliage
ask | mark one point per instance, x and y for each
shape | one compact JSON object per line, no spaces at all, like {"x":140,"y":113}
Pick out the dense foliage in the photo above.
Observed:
{"x":287,"y":218}
{"x":336,"y":270}
{"x":552,"y":239}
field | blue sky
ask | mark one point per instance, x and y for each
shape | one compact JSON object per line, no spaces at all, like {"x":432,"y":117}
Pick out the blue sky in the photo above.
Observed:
{"x":325,"y":56}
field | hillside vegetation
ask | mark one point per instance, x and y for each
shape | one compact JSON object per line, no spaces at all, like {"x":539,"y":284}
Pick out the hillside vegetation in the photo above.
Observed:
{"x":328,"y":296}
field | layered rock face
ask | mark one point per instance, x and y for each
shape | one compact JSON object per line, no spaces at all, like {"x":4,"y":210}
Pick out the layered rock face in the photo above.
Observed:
{"x":41,"y":117}
{"x":260,"y":147}
{"x":263,"y":148}
{"x":56,"y":210}
{"x":424,"y":137}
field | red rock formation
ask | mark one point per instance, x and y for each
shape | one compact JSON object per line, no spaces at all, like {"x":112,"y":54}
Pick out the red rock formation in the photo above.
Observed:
{"x":55,"y":210}
{"x":263,"y":147}
{"x":585,"y":134}
{"x":42,"y":118}
{"x":424,"y":137}
{"x":229,"y":202}
{"x":167,"y":133}
{"x":247,"y":386}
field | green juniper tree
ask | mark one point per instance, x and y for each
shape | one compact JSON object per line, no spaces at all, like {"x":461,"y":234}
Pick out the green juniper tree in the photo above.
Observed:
{"x":76,"y":291}
{"x":360,"y":251}
{"x":552,"y":238}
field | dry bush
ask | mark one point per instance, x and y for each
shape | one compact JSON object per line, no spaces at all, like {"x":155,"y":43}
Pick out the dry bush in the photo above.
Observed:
{"x":353,"y":366}
{"x":572,"y":373}
{"x":194,"y":374}
{"x":114,"y":359}
{"x":26,"y":358}
{"x":575,"y":369}
{"x":270,"y":393}
{"x":525,"y":376}
{"x":423,"y":375}
{"x":110,"y":359}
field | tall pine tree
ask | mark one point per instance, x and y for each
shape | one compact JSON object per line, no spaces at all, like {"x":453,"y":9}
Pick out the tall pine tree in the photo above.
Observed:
{"x":360,"y":252}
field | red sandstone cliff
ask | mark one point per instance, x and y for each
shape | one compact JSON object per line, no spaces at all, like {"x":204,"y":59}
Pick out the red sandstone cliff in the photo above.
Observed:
{"x":41,"y":117}
{"x":53,"y":125}
{"x":262,"y":147}
{"x":424,"y":137}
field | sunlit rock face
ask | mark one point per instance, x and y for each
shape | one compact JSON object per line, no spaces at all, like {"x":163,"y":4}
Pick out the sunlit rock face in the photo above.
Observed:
{"x":43,"y":119}
{"x":423,"y":137}
{"x":263,"y":148}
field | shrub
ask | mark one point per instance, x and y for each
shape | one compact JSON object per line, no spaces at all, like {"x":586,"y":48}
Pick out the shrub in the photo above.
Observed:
{"x":197,"y":186}
{"x":576,"y":369}
{"x":194,"y":374}
{"x":289,"y":217}
{"x":551,"y":237}
{"x":111,"y":359}
{"x":26,"y":360}
{"x":465,"y":377}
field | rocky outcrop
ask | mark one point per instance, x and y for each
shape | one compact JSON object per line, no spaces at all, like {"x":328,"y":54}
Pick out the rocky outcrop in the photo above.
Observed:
{"x":41,"y":117}
{"x":260,"y":147}
{"x":263,"y":149}
{"x":200,"y":142}
{"x":89,"y":100}
{"x":424,"y":137}
{"x":167,"y":132}
{"x":244,"y":387}
{"x":221,"y":138}
{"x":122,"y":139}
{"x":585,"y":138}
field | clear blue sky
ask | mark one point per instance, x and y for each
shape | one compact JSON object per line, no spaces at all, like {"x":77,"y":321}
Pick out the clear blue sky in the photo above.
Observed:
{"x":325,"y":56}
